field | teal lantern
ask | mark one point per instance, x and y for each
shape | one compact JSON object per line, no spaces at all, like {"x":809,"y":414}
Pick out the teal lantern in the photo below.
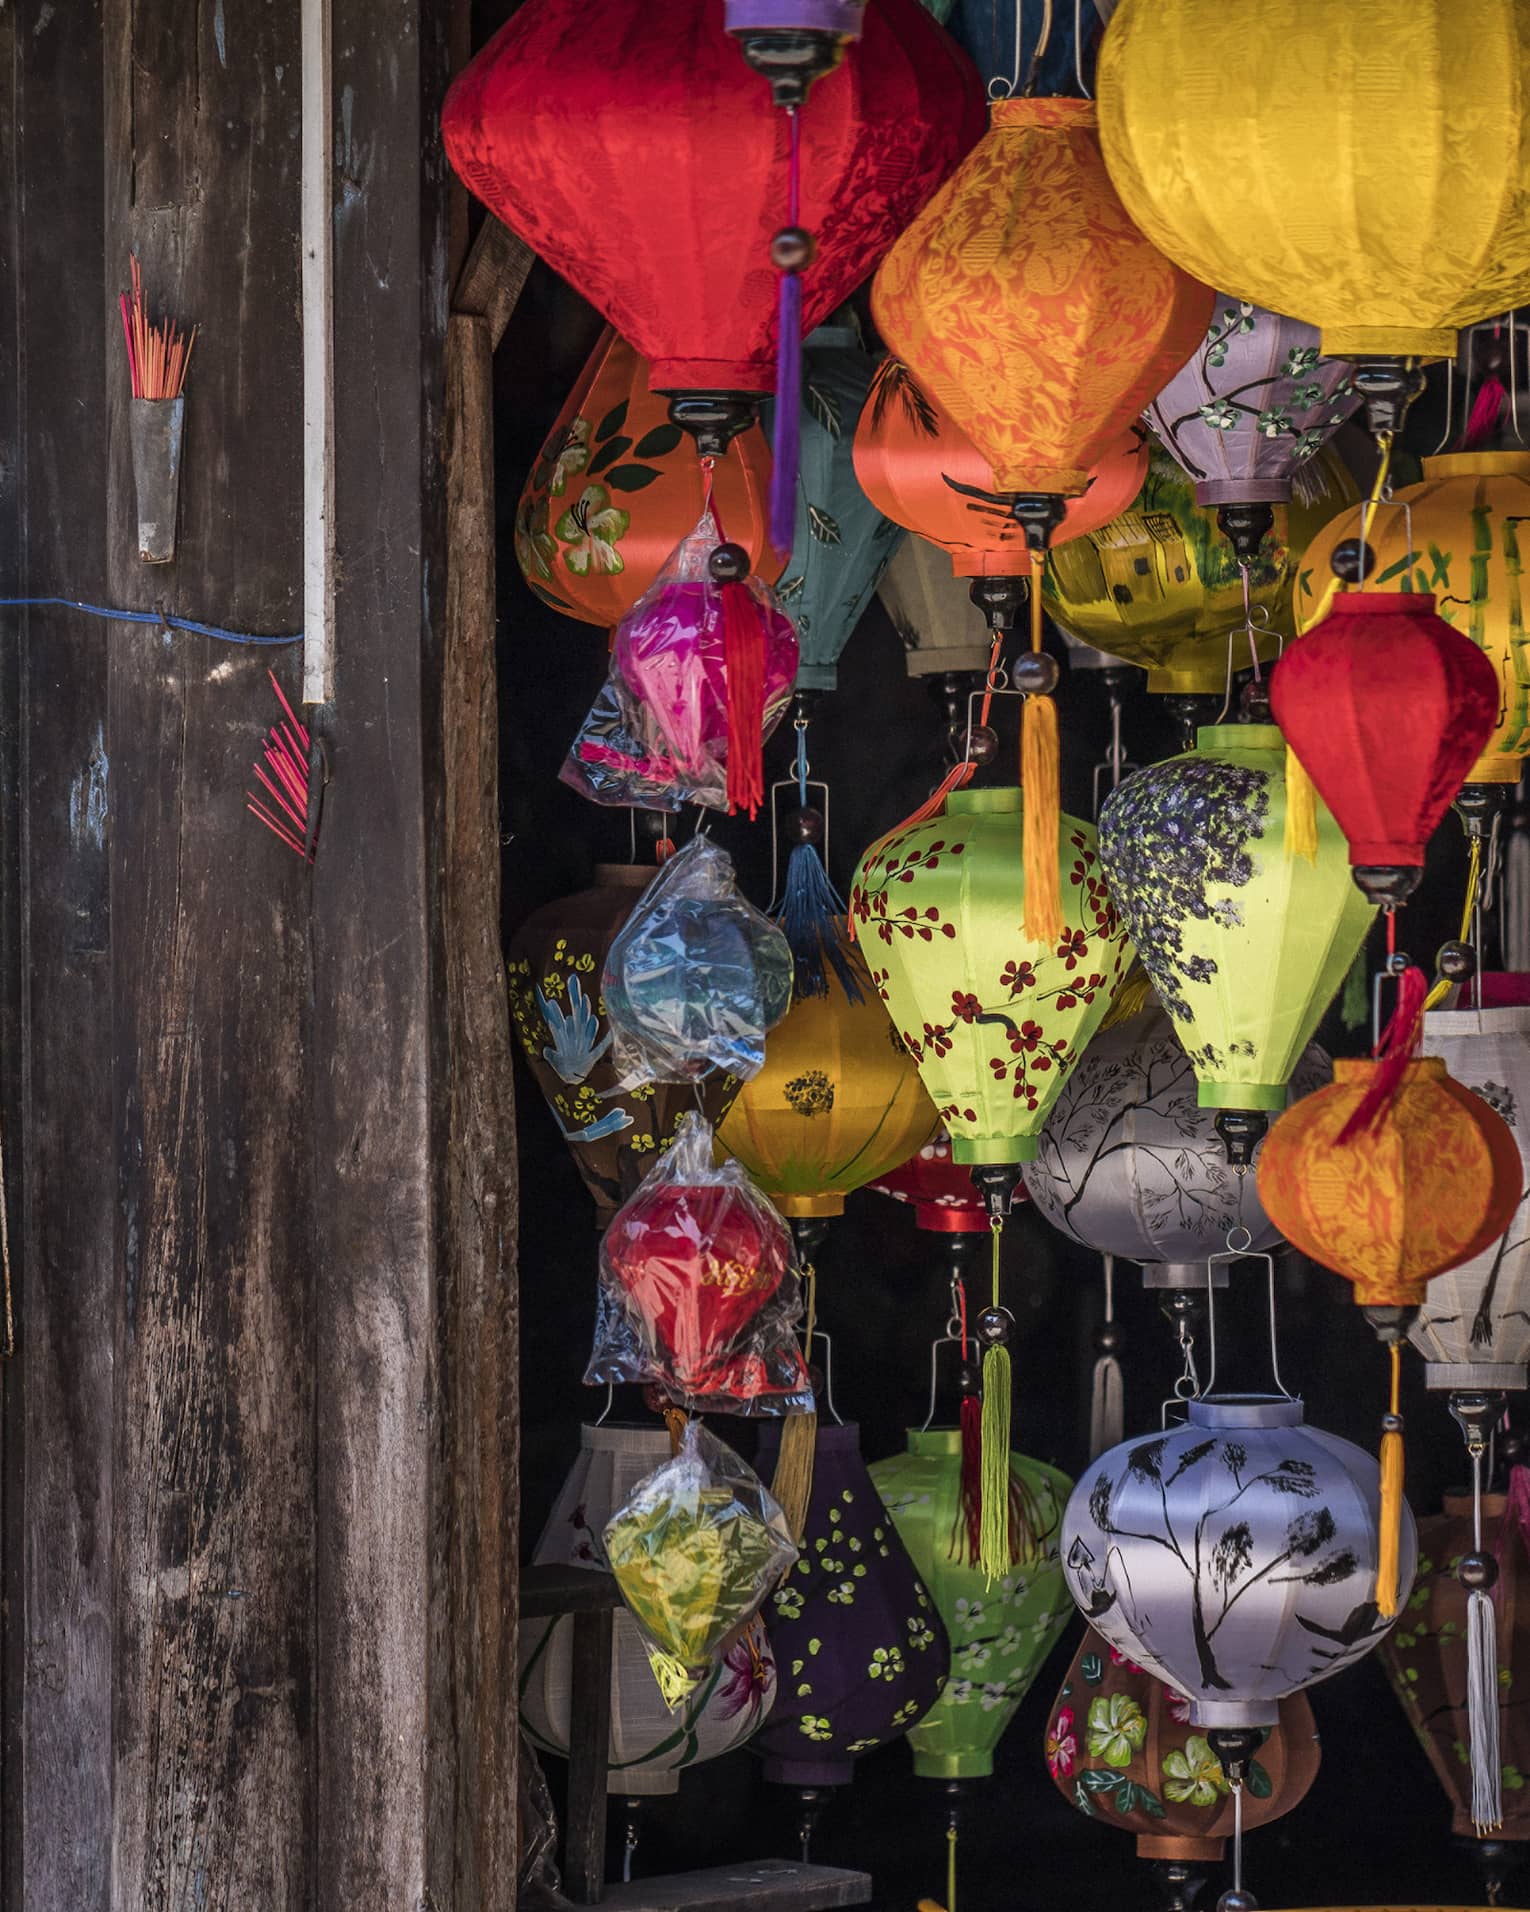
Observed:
{"x":842,"y":543}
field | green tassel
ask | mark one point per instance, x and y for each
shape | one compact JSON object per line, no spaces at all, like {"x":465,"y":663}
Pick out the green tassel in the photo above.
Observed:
{"x":993,"y":1531}
{"x":1355,"y":1009}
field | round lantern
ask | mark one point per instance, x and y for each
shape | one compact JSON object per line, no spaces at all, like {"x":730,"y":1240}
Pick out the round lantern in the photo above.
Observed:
{"x":1252,"y":404}
{"x":1464,"y":520}
{"x":861,"y":1648}
{"x":1389,"y":259}
{"x":1161,"y":587}
{"x":1246,"y":946}
{"x":1473,"y":1329}
{"x":1233,"y":1557}
{"x":842,"y":542}
{"x":1002,"y":1630}
{"x":921,"y":468}
{"x":940,"y":627}
{"x":1387,"y":708}
{"x":649,"y":1745}
{"x":1431,"y":1184}
{"x":616,"y":488}
{"x":1426,"y":1658}
{"x":995,"y":1021}
{"x":556,"y":960}
{"x":1121,"y":1748}
{"x":940,"y":1191}
{"x":1024,"y":299}
{"x":1130,"y":1165}
{"x":838,"y":1102}
{"x":648,"y":165}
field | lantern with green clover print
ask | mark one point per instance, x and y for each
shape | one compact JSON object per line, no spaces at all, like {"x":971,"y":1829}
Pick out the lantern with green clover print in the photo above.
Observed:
{"x":860,"y":1650}
{"x":995,"y":1020}
{"x":1001,"y":1630}
{"x":1245,"y":944}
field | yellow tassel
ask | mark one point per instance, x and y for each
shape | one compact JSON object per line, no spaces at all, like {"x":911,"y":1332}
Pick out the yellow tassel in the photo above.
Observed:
{"x":1301,"y":810}
{"x":1391,"y":1499}
{"x":1130,"y":999}
{"x":792,"y":1482}
{"x":1043,"y":919}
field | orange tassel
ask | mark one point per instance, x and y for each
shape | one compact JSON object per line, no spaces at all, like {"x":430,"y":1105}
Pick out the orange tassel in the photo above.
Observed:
{"x":1042,"y":821}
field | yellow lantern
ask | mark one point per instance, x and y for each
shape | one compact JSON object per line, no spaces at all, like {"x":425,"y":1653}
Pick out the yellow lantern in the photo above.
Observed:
{"x":838,"y":1103}
{"x":1465,"y":518}
{"x":1363,"y":167}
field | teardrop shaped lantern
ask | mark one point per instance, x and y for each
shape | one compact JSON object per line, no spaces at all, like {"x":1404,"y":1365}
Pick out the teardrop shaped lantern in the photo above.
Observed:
{"x":1233,"y":1557}
{"x":862,"y":1651}
{"x":1001,"y":1630}
{"x":995,"y":1021}
{"x":843,"y":542}
{"x":557,"y":957}
{"x":1387,"y":708}
{"x":617,"y":486}
{"x":1473,"y":1329}
{"x":1250,"y":406}
{"x":1161,"y":587}
{"x":1120,"y":1747}
{"x":649,"y":1745}
{"x":1246,"y":946}
{"x":1464,"y":517}
{"x":838,"y":1102}
{"x":1129,"y":1164}
{"x":1388,"y":260}
{"x":1432,"y":1183}
{"x":647,"y":164}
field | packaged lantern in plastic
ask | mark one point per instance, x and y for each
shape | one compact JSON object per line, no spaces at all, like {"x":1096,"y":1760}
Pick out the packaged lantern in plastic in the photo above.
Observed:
{"x":695,"y":1549}
{"x":618,"y":759}
{"x":696,"y":977}
{"x":698,"y":1289}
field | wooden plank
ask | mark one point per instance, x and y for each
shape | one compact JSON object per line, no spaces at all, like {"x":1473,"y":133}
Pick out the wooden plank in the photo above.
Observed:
{"x":59,"y":1400}
{"x":493,"y":278}
{"x":584,"y":1842}
{"x":549,"y":1591}
{"x":771,"y":1885}
{"x":213,"y":1297}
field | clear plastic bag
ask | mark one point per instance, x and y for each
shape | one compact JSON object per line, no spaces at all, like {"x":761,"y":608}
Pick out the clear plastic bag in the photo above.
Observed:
{"x":619,"y":757}
{"x":697,"y":976}
{"x":695,"y":1548}
{"x":698,"y":1292}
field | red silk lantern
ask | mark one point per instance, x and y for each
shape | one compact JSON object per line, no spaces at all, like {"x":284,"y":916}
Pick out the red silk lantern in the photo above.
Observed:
{"x":919,"y":468}
{"x":644,"y":161}
{"x":1387,"y":708}
{"x":942,"y":1193}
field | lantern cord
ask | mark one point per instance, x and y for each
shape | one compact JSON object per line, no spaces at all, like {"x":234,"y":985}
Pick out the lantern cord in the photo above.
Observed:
{"x":1106,"y":1408}
{"x":994,"y":1539}
{"x":1378,"y":491}
{"x":951,"y":1866}
{"x":1391,"y":1494}
{"x":788,"y":432}
{"x":1033,"y":72}
{"x":1078,"y":48}
{"x":1237,"y":1793}
{"x":1011,"y":86}
{"x":1482,"y":1677}
{"x":1039,"y":777}
{"x":1442,"y":987}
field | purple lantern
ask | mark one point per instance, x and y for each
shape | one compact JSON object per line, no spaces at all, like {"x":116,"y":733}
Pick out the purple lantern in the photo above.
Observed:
{"x":860,"y":1649}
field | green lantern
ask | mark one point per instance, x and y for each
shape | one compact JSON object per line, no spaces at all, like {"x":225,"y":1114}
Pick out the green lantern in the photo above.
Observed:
{"x":842,"y":543}
{"x":1001,"y":1630}
{"x":1245,"y":944}
{"x":995,"y":1020}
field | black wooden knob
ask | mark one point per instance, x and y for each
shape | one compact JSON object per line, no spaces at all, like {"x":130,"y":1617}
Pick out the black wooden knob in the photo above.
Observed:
{"x":805,"y":825}
{"x":728,"y":564}
{"x":993,"y":1327}
{"x":1352,"y":561}
{"x":792,"y":249}
{"x":1108,"y":1340}
{"x":1254,"y":700}
{"x":979,"y":746}
{"x":1477,"y":1572}
{"x":1035,"y":673}
{"x":1236,"y":1900}
{"x":1456,"y":961}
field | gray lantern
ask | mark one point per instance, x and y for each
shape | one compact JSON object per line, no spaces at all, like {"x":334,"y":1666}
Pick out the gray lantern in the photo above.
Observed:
{"x":1234,"y":1557}
{"x":1130,"y":1166}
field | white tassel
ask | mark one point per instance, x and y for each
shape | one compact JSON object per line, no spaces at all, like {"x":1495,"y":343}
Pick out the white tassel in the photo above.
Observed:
{"x":1482,"y":1711}
{"x":1106,"y":1406}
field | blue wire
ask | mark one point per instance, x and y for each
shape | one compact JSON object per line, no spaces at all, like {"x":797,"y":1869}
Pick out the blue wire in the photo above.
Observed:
{"x":153,"y":617}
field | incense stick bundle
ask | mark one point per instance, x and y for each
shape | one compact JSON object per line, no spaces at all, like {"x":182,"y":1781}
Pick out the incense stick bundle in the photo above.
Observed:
{"x":285,"y":779}
{"x":158,"y":355}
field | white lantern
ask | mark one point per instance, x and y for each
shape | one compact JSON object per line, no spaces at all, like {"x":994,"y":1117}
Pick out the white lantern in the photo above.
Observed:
{"x":649,"y":1745}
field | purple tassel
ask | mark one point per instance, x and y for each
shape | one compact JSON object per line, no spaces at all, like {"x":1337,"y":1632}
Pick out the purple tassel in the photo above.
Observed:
{"x":783,"y":479}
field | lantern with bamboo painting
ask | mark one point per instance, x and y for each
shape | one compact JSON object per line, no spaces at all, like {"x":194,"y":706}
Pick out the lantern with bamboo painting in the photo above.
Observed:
{"x":1464,"y":519}
{"x":617,"y":486}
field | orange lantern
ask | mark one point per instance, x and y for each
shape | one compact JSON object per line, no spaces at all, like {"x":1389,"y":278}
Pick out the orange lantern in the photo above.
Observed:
{"x":1432,"y":1182}
{"x":617,"y":486}
{"x":919,"y":468}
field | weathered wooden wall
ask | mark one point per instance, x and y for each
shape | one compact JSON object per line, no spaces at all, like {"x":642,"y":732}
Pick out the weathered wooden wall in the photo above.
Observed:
{"x":259,"y":1515}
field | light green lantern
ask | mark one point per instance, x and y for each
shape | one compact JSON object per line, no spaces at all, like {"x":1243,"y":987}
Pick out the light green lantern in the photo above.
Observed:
{"x":1002,"y":1630}
{"x":995,"y":1020}
{"x":1245,"y":944}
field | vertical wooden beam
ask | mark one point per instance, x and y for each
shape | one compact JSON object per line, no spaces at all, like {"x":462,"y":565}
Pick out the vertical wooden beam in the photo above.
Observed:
{"x":584,"y":1845}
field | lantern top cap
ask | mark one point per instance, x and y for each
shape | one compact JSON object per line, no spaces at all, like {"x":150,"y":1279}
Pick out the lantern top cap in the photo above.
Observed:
{"x":1044,"y":112}
{"x":1246,"y":1410}
{"x":1383,"y":603}
{"x":1361,"y":1068}
{"x":1478,"y":464}
{"x":1002,"y":800}
{"x":942,"y":1442}
{"x":1239,"y":737}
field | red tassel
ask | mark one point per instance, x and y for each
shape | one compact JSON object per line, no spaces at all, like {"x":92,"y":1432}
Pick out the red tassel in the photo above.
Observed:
{"x":1487,"y":413}
{"x":744,"y":669}
{"x":1517,"y":1511}
{"x":972,"y":1474}
{"x":1393,"y":1052}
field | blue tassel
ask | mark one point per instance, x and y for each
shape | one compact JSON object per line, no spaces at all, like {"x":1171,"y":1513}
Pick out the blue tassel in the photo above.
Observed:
{"x":788,"y":433}
{"x":807,"y":916}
